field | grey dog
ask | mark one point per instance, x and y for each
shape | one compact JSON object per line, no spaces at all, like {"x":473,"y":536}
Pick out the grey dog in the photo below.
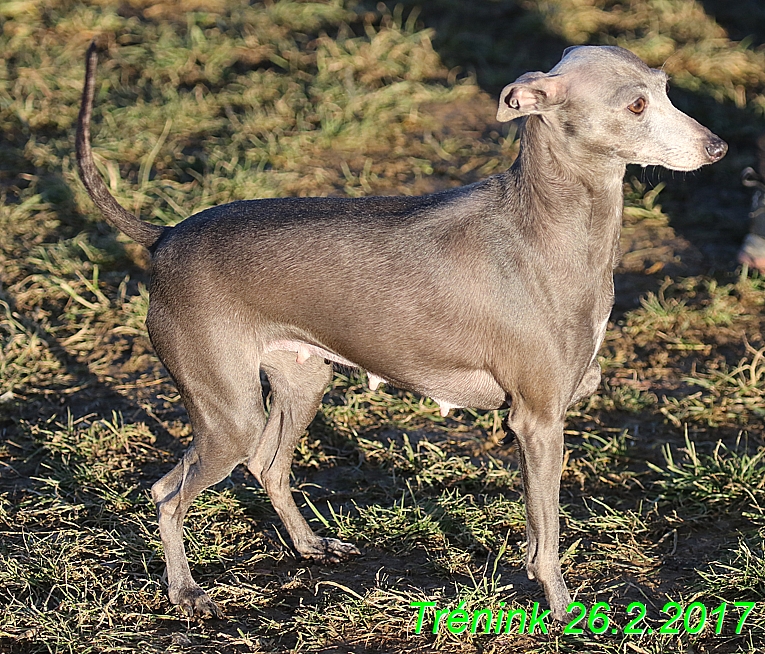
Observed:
{"x":494,"y":294}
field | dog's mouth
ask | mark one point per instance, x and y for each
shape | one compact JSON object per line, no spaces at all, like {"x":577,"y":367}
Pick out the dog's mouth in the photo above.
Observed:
{"x":711,"y":153}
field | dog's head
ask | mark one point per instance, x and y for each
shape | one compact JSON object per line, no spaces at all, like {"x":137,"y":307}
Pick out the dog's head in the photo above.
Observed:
{"x":605,"y":101}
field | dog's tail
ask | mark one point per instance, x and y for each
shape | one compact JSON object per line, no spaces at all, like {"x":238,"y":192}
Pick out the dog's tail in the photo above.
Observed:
{"x":144,"y":233}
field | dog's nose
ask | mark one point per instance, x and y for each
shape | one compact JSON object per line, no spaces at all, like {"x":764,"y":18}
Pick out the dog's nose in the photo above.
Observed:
{"x":716,"y":149}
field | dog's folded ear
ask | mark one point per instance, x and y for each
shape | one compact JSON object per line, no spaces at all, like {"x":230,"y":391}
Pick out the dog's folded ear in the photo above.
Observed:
{"x":532,"y":93}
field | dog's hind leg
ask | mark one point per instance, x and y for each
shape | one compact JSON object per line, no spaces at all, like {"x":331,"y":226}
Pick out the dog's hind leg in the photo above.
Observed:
{"x":296,"y":393}
{"x":225,"y":404}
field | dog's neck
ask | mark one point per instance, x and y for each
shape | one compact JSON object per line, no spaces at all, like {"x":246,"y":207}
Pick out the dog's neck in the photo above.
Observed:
{"x":576,"y":195}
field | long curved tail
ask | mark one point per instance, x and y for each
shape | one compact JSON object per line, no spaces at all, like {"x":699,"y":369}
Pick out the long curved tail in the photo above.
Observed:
{"x":144,"y":233}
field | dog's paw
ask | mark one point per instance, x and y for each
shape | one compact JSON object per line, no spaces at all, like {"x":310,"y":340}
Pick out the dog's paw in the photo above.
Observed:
{"x":328,"y":550}
{"x":193,"y":601}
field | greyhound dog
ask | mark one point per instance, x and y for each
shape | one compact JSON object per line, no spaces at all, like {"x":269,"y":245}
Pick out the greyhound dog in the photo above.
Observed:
{"x":494,"y":294}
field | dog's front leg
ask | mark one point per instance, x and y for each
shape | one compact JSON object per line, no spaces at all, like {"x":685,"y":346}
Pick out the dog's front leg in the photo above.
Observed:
{"x":540,"y":444}
{"x":589,"y":384}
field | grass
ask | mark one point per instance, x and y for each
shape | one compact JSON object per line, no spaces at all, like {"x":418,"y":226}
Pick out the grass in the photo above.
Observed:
{"x":208,"y":101}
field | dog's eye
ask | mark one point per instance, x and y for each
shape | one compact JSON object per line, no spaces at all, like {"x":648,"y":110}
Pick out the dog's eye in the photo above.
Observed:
{"x":638,"y":107}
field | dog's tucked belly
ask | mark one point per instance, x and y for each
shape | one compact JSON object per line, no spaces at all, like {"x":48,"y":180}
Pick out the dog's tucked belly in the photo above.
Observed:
{"x":306,"y":350}
{"x":488,"y":393}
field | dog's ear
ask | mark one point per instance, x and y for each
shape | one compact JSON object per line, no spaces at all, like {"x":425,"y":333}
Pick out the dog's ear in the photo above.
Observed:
{"x":531,"y":93}
{"x":569,"y":50}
